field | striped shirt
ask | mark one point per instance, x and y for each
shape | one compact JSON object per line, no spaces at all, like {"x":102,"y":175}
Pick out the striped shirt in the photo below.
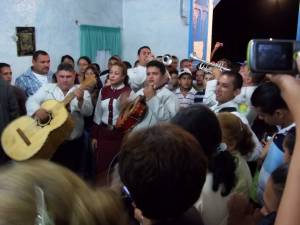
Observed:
{"x":185,"y":100}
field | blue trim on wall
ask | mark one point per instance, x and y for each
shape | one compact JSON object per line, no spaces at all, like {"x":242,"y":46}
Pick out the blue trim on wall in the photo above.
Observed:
{"x":298,"y":27}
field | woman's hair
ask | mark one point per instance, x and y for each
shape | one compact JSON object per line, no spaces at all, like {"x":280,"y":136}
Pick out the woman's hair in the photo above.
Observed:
{"x":87,"y":59}
{"x":203,"y":124}
{"x":66,"y":57}
{"x":236,"y":134}
{"x":124,"y":70}
{"x":68,"y":200}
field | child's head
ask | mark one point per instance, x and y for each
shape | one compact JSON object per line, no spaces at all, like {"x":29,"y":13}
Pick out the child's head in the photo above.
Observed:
{"x":274,"y":190}
{"x":200,"y":77}
{"x":174,"y":78}
{"x":288,"y":146}
{"x":185,"y":79}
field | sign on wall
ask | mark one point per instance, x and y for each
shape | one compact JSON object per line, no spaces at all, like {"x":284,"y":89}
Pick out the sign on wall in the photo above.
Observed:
{"x":25,"y":40}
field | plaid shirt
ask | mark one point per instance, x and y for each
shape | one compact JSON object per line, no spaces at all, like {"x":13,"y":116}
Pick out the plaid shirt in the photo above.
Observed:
{"x":29,"y":83}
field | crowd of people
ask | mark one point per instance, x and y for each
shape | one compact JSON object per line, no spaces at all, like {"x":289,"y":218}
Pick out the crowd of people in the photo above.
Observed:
{"x":209,"y":146}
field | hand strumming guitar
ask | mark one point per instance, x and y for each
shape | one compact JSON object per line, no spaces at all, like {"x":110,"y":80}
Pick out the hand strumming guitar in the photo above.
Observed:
{"x":42,"y":115}
{"x":79,"y":93}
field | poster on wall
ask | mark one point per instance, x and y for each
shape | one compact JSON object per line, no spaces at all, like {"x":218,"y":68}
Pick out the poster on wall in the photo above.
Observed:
{"x":198,"y":28}
{"x":25,"y":41}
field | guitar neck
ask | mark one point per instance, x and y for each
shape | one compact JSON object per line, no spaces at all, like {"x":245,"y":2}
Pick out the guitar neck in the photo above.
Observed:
{"x":68,"y":98}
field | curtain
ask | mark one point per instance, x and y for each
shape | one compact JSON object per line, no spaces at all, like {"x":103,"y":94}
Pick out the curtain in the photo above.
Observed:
{"x":95,"y":38}
{"x":102,"y":59}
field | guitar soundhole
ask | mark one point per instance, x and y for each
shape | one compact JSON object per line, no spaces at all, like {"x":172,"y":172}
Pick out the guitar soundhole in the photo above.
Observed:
{"x":45,"y":122}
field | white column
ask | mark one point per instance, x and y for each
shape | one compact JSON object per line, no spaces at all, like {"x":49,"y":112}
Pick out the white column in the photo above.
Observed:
{"x":209,"y":33}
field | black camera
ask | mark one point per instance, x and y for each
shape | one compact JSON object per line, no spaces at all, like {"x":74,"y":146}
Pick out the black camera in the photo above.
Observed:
{"x":272,"y":56}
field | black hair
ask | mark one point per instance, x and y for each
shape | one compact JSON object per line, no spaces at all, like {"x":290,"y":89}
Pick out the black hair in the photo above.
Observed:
{"x":96,"y":65}
{"x":128,"y":65}
{"x":203,"y":124}
{"x":66,"y":57}
{"x":37,"y":53}
{"x":268,"y":98}
{"x":164,"y":169}
{"x":140,"y":49}
{"x":65,"y":67}
{"x":174,"y":57}
{"x":279,"y":177}
{"x":4,"y":65}
{"x":84,"y":58}
{"x":237,"y":79}
{"x":157,"y":64}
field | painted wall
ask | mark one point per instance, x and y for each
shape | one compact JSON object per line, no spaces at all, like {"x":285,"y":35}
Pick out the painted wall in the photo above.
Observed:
{"x":54,"y":21}
{"x":156,"y":23}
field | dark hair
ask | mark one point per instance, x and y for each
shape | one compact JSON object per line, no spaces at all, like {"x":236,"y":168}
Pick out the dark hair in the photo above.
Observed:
{"x":128,"y":65}
{"x":279,"y":177}
{"x":124,"y":71}
{"x":66,"y":57}
{"x":164,"y":169}
{"x":96,"y":65}
{"x":37,"y":53}
{"x":174,"y":57}
{"x":289,"y":141}
{"x":4,"y":65}
{"x":237,"y":79}
{"x":114,"y":57}
{"x":65,"y":67}
{"x":182,"y":61}
{"x":267,"y":96}
{"x":84,"y":58}
{"x":140,"y":49}
{"x":157,"y":64}
{"x":203,"y":124}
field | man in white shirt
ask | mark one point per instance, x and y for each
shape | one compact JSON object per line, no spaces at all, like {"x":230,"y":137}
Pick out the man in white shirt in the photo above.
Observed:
{"x":137,"y":75}
{"x":37,"y":75}
{"x":162,"y":103}
{"x":228,"y":87}
{"x":70,"y":152}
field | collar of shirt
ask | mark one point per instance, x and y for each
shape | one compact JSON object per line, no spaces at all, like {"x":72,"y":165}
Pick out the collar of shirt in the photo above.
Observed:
{"x":218,"y":107}
{"x":285,"y":129}
{"x":118,"y":87}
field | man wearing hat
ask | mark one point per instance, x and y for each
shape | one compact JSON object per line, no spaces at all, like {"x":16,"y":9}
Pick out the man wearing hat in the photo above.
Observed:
{"x":185,"y":93}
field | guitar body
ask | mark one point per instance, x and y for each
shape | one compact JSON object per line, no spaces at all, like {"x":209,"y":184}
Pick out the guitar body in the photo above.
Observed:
{"x":26,"y":138}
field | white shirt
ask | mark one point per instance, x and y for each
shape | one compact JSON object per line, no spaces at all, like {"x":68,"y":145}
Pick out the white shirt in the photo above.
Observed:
{"x":210,"y":96}
{"x":52,"y":91}
{"x":137,"y":77}
{"x":161,"y":108}
{"x":42,"y":78}
{"x":258,"y":147}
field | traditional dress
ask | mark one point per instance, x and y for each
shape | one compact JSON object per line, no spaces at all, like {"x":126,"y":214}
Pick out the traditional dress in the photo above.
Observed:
{"x":106,"y":114}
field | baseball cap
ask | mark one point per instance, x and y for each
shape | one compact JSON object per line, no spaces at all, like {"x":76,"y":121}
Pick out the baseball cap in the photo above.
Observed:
{"x":184,"y":71}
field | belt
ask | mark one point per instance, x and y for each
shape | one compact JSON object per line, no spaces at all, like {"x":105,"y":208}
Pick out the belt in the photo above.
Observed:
{"x":108,"y":126}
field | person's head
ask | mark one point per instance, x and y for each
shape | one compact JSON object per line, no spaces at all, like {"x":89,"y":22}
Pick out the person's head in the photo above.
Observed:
{"x":112,"y":60}
{"x":65,"y":76}
{"x":269,"y":104}
{"x":228,"y":86}
{"x":235,"y":134}
{"x":83,"y":62}
{"x":118,"y":74}
{"x":274,"y":190}
{"x":174,"y":64}
{"x":199,"y":77}
{"x":91,"y":72}
{"x":24,"y":186}
{"x":164,"y":169}
{"x":208,"y":77}
{"x":143,"y":53}
{"x":185,"y":79}
{"x":203,"y":124}
{"x":96,"y":65}
{"x":40,"y":62}
{"x":68,"y":60}
{"x":186,"y":63}
{"x":5,"y":72}
{"x":156,"y":73}
{"x":127,"y":64}
{"x":288,"y":146}
{"x":174,"y":78}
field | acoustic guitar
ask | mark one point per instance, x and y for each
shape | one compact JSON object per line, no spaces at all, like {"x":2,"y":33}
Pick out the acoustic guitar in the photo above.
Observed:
{"x":27,"y":137}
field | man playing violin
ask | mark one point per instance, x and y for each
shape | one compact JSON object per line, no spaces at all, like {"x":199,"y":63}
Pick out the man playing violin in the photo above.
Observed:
{"x":70,"y":152}
{"x":162,"y":103}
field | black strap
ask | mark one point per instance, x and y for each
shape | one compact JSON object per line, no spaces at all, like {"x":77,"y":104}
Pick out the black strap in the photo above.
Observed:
{"x":228,"y":109}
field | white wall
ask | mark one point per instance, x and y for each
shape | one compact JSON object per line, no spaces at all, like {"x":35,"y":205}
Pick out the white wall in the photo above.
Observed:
{"x":156,"y":23}
{"x":54,"y":21}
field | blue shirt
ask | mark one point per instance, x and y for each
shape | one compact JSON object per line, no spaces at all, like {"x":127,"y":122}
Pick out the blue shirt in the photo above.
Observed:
{"x":29,"y":83}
